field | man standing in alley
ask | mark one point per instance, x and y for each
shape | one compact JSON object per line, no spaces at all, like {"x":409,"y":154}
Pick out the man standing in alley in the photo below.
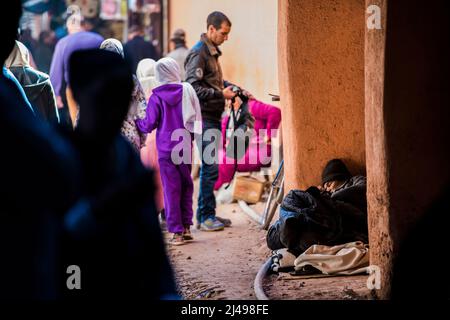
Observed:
{"x":204,"y":73}
{"x":180,"y":50}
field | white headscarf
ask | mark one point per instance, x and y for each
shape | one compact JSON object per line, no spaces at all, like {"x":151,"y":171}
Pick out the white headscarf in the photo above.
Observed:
{"x":19,"y":56}
{"x":113,"y":45}
{"x":138,"y":103}
{"x":146,"y":74}
{"x":167,"y":71}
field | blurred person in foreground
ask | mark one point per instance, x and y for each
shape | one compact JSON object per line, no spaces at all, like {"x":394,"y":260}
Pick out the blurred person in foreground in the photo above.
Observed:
{"x":39,"y":172}
{"x":112,"y":233}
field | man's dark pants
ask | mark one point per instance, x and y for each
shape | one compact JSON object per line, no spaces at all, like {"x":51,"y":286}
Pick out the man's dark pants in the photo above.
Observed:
{"x":209,"y":172}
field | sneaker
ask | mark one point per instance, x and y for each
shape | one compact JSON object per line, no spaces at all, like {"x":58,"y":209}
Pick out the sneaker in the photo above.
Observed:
{"x":187,"y":235}
{"x":211,"y":224}
{"x":226,"y":222}
{"x":177,"y":239}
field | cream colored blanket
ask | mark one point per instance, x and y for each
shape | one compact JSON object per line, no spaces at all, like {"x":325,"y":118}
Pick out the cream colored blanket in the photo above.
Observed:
{"x":346,"y":259}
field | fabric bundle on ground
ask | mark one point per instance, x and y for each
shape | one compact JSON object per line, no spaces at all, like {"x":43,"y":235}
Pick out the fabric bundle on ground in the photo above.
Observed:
{"x":346,"y":259}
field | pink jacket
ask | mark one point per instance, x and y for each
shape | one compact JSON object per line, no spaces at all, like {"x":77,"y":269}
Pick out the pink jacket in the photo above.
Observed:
{"x":266,"y":117}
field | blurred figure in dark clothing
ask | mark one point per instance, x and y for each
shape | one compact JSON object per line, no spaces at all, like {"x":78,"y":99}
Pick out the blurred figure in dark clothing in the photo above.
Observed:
{"x":36,"y":84}
{"x":38,"y":170}
{"x":420,"y":268}
{"x":77,"y":39}
{"x":137,"y":48}
{"x":44,"y":51}
{"x":27,"y":39}
{"x":113,"y":233}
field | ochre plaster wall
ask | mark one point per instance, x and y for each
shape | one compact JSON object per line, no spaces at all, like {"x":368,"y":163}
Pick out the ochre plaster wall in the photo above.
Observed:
{"x":321,"y":73}
{"x":407,"y":121}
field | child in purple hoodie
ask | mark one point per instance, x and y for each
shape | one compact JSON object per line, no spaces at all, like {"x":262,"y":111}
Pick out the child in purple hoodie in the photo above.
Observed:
{"x":173,"y":105}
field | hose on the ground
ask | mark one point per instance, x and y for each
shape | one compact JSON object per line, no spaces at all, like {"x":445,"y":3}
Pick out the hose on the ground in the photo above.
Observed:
{"x":250,"y":212}
{"x":257,"y":285}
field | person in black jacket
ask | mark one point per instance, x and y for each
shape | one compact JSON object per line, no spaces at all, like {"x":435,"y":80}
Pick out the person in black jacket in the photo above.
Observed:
{"x":37,"y":85}
{"x":204,"y":73}
{"x":334,"y":214}
{"x":137,"y":48}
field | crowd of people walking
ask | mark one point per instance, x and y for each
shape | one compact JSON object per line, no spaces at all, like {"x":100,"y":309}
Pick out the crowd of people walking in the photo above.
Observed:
{"x":94,"y":163}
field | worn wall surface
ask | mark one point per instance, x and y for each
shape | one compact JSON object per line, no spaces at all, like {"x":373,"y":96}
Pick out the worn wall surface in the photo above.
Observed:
{"x":321,"y":71}
{"x":407,"y":122}
{"x":250,"y":55}
{"x":376,"y":158}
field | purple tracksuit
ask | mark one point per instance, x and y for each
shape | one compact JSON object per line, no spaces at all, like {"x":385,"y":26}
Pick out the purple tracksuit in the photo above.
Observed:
{"x":164,"y":113}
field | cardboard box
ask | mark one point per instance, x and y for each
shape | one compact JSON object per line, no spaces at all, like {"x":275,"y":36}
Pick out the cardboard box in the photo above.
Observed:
{"x":248,"y":189}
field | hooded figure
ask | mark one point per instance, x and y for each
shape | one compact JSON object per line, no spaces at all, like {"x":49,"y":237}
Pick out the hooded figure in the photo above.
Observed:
{"x":112,"y":233}
{"x":37,"y":85}
{"x":149,"y":156}
{"x":137,"y":104}
{"x":174,"y":107}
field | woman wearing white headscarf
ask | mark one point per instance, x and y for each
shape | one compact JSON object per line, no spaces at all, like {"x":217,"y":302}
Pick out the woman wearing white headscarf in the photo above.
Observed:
{"x":146,"y":75}
{"x":174,"y":107}
{"x":149,"y":156}
{"x":137,"y":104}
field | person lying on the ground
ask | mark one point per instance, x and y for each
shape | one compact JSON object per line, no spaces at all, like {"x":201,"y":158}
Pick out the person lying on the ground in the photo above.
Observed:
{"x":259,"y":151}
{"x":340,"y":185}
{"x":335,"y":215}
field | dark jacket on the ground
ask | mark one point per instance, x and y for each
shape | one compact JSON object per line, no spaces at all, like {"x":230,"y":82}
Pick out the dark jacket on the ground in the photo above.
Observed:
{"x":311,"y":217}
{"x":39,"y":91}
{"x":204,"y":73}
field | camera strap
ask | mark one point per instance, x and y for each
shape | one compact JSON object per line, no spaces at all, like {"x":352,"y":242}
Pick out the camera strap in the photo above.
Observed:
{"x":233,"y":116}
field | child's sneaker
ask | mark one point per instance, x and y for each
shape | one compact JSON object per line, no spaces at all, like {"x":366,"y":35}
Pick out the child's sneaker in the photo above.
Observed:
{"x":187,"y":235}
{"x":177,"y":239}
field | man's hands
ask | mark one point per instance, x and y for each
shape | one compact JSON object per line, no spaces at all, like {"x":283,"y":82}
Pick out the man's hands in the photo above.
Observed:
{"x":248,"y":94}
{"x":228,"y":93}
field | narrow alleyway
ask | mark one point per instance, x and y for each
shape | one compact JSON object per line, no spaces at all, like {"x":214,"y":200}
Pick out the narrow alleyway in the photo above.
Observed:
{"x":221,"y":265}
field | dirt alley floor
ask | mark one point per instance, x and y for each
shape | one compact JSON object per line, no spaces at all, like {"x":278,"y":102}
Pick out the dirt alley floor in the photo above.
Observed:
{"x":223,"y":265}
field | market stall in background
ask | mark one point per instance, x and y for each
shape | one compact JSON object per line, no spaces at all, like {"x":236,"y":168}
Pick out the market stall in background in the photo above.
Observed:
{"x":44,"y":21}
